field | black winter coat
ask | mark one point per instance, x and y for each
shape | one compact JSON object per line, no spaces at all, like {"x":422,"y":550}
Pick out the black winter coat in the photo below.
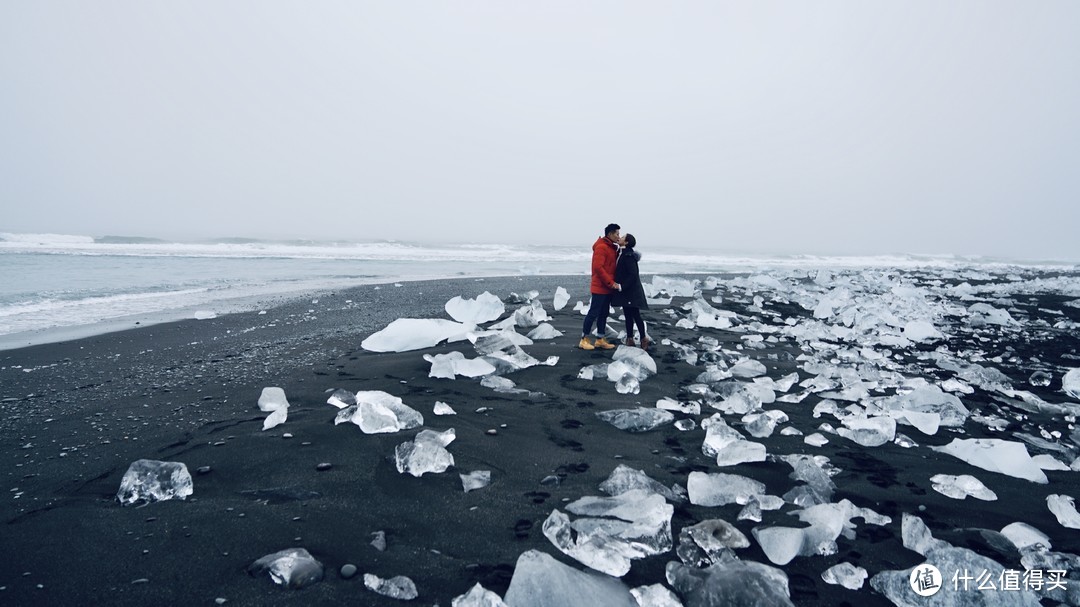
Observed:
{"x":626,"y":274}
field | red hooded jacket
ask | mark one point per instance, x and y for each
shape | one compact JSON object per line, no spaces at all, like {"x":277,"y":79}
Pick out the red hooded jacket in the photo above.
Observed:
{"x":604,"y":256}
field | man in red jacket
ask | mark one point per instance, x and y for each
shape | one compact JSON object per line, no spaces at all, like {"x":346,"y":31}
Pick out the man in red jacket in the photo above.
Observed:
{"x":605,"y":253}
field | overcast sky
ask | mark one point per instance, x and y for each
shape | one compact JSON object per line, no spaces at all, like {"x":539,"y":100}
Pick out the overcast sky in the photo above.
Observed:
{"x":769,"y":127}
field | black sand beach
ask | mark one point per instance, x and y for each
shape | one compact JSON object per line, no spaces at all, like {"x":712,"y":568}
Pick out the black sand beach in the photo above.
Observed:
{"x":75,"y":414}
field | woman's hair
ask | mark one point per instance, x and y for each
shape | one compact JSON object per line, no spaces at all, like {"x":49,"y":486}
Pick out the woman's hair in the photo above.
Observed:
{"x":630,"y":240}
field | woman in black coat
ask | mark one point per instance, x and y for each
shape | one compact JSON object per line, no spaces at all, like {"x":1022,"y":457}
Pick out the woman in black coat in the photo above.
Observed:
{"x":632,"y":296}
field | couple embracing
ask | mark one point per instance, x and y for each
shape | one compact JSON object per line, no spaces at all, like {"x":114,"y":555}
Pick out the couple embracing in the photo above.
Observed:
{"x":615,"y":282}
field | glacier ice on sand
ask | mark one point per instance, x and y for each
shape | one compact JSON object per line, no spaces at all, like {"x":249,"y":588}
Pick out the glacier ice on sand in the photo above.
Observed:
{"x":293,"y":568}
{"x":405,"y":334}
{"x":485,"y":307}
{"x":154,"y":481}
{"x":425,"y":453}
{"x":398,"y":587}
{"x":377,"y":412}
{"x":541,"y":581}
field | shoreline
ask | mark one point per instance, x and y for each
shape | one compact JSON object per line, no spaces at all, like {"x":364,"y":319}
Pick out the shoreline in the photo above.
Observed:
{"x":75,"y":414}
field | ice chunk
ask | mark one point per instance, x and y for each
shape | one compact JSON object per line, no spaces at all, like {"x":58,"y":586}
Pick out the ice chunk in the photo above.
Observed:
{"x":442,"y":408}
{"x":639,"y":419}
{"x":728,"y":446}
{"x":452,"y":364}
{"x":341,"y":399}
{"x":475,"y":480}
{"x":816,"y":439}
{"x":1023,"y":535}
{"x":561,"y":297}
{"x":541,"y":581}
{"x":996,"y":455}
{"x":624,"y":478}
{"x":1049,"y":462}
{"x":762,"y":425}
{"x":678,"y":287}
{"x":984,"y":314}
{"x":740,"y":452}
{"x":1064,"y":509}
{"x":730,"y":584}
{"x":149,"y":480}
{"x":845,"y":574}
{"x":501,"y":351}
{"x":714,"y":535}
{"x":921,"y":331}
{"x":405,"y":334}
{"x":655,"y":595}
{"x":1070,"y":383}
{"x":748,"y":368}
{"x":292,"y":568}
{"x":959,"y":487}
{"x":928,"y":399}
{"x":426,"y":453}
{"x":377,"y":412}
{"x":819,"y":487}
{"x":276,"y":418}
{"x":478,"y":596}
{"x":544,"y":331}
{"x":629,"y":367}
{"x":636,"y":524}
{"x":501,"y":384}
{"x":827,"y":523}
{"x":475,"y":311}
{"x":398,"y":587}
{"x":868,"y":432}
{"x":916,"y":535}
{"x":670,"y":404}
{"x":720,"y":489}
{"x":272,"y":399}
{"x":1040,"y":379}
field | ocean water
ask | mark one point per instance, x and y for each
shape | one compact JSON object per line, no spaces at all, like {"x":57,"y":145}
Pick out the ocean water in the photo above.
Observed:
{"x":52,"y":283}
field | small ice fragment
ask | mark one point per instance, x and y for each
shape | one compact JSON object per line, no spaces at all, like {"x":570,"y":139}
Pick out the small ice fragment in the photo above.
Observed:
{"x":1023,"y":535}
{"x":959,"y":487}
{"x":1046,"y":461}
{"x":640,"y":419}
{"x":452,"y":364}
{"x":272,"y":399}
{"x":341,"y":399}
{"x":685,"y":425}
{"x":475,"y":480}
{"x":1040,"y":379}
{"x":478,"y":596}
{"x":1064,"y":509}
{"x":561,"y":297}
{"x":426,"y":453}
{"x":670,"y":404}
{"x":377,"y":412}
{"x":204,"y":315}
{"x":292,"y":568}
{"x":442,"y":408}
{"x":378,"y":540}
{"x":475,"y":311}
{"x":544,"y":331}
{"x":904,"y":441}
{"x":748,"y":368}
{"x":845,"y":574}
{"x":996,"y":455}
{"x":780,"y":544}
{"x":153,"y":481}
{"x":868,"y":432}
{"x":541,"y":581}
{"x":398,"y":587}
{"x":720,"y":489}
{"x":276,"y":418}
{"x":731,"y":583}
{"x":816,"y":439}
{"x":624,"y":478}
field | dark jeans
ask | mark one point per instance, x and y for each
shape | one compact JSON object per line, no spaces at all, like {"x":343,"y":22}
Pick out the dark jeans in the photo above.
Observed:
{"x":598,"y":311}
{"x":633,"y":317}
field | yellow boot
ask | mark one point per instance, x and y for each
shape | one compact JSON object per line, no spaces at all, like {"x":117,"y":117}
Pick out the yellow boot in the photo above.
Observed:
{"x":603,"y":343}
{"x":585,"y":345}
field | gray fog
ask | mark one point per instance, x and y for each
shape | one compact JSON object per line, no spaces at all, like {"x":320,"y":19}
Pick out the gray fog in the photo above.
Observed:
{"x":760,"y":127}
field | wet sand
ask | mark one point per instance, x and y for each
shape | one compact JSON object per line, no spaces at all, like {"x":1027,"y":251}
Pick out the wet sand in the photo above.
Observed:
{"x":75,"y":414}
